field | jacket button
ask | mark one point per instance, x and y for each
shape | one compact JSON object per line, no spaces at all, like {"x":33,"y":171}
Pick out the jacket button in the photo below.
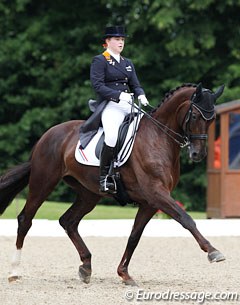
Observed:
{"x":124,"y":84}
{"x":125,"y":91}
{"x":116,"y":84}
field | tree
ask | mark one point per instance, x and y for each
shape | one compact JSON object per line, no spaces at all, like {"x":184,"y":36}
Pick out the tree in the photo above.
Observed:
{"x":46,"y":48}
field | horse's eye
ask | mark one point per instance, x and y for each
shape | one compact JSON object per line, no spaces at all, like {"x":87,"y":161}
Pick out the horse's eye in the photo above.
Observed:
{"x":194,"y":116}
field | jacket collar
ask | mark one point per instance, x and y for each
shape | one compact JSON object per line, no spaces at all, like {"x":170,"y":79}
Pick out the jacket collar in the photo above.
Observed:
{"x":115,"y":56}
{"x":112,"y":61}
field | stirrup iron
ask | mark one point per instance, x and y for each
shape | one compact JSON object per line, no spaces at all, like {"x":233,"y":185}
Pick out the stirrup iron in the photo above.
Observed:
{"x":105,"y":184}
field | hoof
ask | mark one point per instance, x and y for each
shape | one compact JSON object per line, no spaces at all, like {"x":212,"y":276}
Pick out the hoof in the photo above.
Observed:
{"x":85,"y":275}
{"x":14,"y":278}
{"x":216,"y":256}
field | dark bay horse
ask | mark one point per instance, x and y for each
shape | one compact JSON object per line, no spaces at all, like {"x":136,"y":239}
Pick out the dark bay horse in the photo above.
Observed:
{"x":150,"y":174}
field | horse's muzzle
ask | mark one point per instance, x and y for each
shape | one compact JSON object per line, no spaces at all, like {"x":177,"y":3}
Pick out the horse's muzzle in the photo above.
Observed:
{"x":197,"y":154}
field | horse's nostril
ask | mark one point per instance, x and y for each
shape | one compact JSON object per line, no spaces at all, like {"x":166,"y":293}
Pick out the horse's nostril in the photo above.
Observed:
{"x":195,"y":156}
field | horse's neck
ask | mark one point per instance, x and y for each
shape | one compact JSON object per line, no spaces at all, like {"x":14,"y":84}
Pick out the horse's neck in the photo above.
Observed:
{"x":168,"y":111}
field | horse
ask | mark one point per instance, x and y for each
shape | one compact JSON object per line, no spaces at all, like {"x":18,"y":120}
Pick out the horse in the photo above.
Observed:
{"x":149,"y":175}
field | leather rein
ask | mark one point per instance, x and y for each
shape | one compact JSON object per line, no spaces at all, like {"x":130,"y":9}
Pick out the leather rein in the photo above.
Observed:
{"x":185,"y":139}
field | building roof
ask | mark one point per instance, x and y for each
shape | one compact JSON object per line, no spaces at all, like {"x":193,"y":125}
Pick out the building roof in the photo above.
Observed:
{"x":227,"y":107}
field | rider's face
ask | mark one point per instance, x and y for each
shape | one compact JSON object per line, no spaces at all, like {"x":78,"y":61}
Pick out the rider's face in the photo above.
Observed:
{"x":115,"y":44}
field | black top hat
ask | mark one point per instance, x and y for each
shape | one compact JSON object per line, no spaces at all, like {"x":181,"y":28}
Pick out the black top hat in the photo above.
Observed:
{"x":115,"y":31}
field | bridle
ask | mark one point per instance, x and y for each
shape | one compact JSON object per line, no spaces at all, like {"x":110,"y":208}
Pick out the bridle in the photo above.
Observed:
{"x":188,"y":117}
{"x":184,"y":140}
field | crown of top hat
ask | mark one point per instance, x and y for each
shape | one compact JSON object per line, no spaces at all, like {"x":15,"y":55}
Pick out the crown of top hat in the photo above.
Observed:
{"x":114,"y":31}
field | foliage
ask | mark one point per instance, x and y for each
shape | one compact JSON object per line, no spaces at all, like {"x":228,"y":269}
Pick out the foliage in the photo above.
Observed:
{"x":54,"y":210}
{"x":46,"y":48}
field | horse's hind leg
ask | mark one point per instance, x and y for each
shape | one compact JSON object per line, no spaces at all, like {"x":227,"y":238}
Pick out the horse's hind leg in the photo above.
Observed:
{"x":83,"y":204}
{"x":41,"y":184}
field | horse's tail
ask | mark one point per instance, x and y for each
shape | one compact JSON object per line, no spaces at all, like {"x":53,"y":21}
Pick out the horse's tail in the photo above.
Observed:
{"x":13,"y":182}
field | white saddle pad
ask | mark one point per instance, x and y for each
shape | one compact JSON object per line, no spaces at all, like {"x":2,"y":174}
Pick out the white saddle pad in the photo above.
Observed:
{"x":87,"y":155}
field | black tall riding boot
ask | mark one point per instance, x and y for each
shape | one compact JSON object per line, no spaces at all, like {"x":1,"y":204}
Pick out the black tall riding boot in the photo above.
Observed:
{"x":107,"y":184}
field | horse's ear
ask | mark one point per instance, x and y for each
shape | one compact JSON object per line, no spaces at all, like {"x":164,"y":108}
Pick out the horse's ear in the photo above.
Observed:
{"x":219,"y":91}
{"x":198,"y":91}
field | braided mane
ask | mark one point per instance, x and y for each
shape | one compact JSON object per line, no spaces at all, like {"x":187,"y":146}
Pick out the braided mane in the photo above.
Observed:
{"x":171,"y":92}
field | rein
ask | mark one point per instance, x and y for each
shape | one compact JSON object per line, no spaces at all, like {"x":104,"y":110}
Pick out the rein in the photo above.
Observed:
{"x":181,"y":140}
{"x":165,"y":129}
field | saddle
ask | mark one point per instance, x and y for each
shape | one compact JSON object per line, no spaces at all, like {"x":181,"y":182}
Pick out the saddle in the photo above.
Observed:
{"x":122,"y":133}
{"x":90,"y":154}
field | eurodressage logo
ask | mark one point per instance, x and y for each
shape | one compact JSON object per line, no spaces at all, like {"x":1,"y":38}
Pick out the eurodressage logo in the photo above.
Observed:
{"x":200,"y":297}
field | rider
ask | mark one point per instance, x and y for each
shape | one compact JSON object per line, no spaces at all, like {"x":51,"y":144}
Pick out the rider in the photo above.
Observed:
{"x":113,"y":77}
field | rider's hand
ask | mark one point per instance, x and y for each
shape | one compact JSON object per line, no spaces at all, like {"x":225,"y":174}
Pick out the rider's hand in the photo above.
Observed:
{"x":143,"y":100}
{"x":126,"y":97}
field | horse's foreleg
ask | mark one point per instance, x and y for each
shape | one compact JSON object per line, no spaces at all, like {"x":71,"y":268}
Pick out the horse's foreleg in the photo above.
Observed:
{"x":143,"y":216}
{"x":171,"y":208}
{"x":83,"y":204}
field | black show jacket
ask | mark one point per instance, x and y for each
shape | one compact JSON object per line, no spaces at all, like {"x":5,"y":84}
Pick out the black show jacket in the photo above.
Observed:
{"x":109,"y":78}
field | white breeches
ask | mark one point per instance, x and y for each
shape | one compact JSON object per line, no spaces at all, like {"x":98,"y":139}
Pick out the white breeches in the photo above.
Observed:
{"x":112,"y":117}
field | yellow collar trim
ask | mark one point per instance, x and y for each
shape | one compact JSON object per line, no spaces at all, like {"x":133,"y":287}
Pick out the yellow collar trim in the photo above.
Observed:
{"x":106,"y":55}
